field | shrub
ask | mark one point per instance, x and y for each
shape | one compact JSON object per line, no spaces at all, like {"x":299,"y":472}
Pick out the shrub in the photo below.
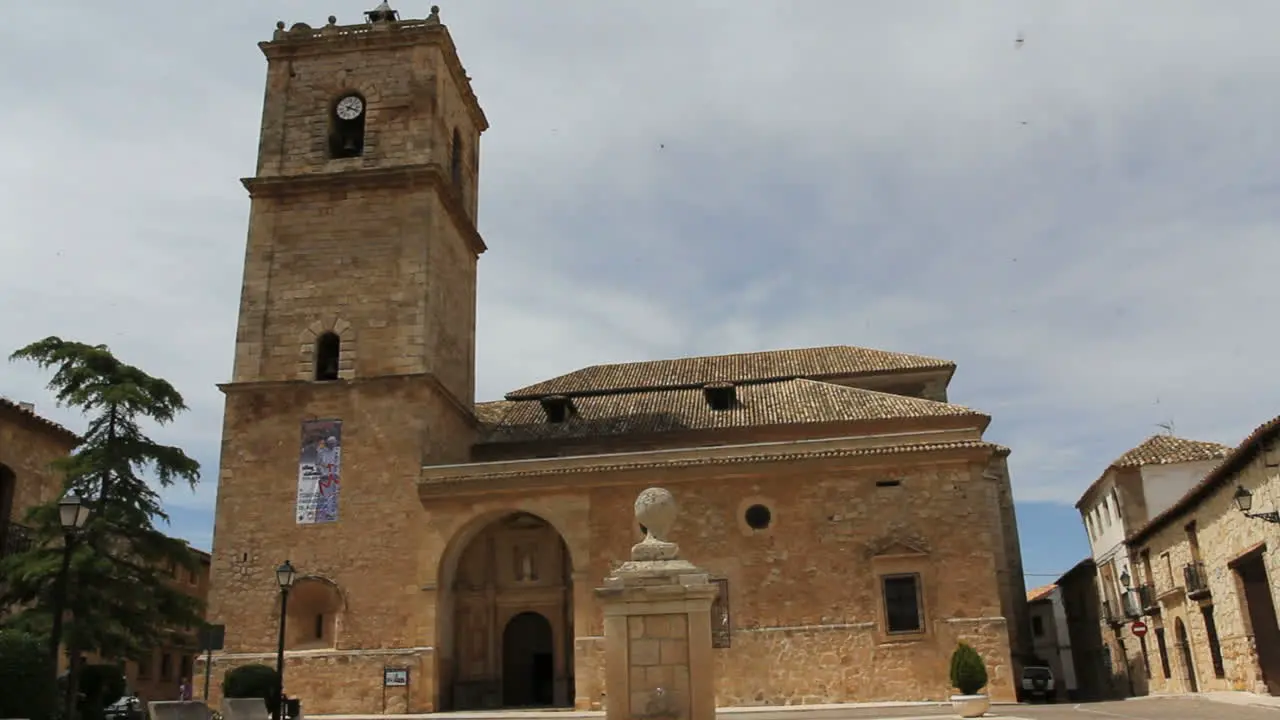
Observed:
{"x":968,"y":672}
{"x":26,"y":686}
{"x":252,"y":681}
{"x":100,"y":685}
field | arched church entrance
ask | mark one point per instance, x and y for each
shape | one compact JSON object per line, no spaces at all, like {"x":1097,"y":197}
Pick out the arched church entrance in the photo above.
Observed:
{"x":512,"y":612}
{"x":528,"y":661}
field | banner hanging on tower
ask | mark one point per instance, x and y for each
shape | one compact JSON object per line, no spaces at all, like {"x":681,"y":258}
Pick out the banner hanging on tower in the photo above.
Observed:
{"x":319,"y":472}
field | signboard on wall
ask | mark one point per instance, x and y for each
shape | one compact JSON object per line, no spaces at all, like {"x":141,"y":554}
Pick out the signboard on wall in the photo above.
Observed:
{"x":395,"y":677}
{"x":319,"y":472}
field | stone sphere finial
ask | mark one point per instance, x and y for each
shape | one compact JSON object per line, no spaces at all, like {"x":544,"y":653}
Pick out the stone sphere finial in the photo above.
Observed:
{"x":279,"y":24}
{"x":333,"y":19}
{"x":656,"y":510}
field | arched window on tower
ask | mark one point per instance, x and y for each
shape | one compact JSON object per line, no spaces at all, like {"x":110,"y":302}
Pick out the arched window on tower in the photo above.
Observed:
{"x":346,"y":127}
{"x":328,"y":348}
{"x":455,"y":162}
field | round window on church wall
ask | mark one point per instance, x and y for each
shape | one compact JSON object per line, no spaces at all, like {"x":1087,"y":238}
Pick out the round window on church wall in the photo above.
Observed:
{"x":758,"y":517}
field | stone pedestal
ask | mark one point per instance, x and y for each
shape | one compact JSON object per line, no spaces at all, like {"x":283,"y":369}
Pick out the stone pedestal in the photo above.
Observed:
{"x":657,"y":627}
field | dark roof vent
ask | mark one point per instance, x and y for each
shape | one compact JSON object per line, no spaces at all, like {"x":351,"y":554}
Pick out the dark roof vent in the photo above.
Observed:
{"x":557,"y":407}
{"x":720,"y":395}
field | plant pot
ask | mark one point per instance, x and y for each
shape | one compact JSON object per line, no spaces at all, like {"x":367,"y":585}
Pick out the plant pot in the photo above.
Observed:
{"x":971,"y":706}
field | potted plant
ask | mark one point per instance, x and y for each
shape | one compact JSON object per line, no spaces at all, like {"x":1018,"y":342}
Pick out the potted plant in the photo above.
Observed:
{"x":969,"y":676}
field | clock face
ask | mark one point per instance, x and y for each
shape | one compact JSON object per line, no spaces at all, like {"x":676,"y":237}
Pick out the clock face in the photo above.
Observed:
{"x":350,"y":107}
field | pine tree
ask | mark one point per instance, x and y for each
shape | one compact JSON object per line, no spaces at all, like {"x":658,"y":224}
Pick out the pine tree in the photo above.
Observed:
{"x":119,"y":600}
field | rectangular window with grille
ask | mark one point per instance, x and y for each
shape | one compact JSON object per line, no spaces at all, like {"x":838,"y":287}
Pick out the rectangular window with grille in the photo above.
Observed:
{"x":720,"y":619}
{"x":902,"y":603}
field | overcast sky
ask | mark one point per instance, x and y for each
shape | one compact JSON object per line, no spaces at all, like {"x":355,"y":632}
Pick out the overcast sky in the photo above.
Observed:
{"x":1086,"y":221}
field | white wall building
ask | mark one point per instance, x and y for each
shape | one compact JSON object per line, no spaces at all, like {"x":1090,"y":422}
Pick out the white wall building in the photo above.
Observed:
{"x":1139,"y":485}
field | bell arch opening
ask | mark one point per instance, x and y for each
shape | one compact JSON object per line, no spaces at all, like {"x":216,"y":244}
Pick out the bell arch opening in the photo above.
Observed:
{"x":505,"y":618}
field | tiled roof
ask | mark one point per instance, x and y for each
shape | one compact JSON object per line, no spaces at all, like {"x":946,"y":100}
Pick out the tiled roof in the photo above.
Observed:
{"x":837,"y":360}
{"x":12,"y":407}
{"x":1160,"y":450}
{"x":1040,"y":593}
{"x":783,"y":402}
{"x":1220,"y":476}
{"x":1167,"y":449}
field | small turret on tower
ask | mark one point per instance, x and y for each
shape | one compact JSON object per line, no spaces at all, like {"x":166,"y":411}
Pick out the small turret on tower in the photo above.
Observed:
{"x":382,"y":13}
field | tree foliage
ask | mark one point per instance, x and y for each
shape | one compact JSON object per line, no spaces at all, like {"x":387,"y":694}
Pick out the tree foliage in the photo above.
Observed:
{"x":26,"y":685}
{"x":968,"y":672}
{"x":121,"y":605}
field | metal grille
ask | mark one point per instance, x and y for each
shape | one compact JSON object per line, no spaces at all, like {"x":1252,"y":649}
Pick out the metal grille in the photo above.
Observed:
{"x":14,"y":539}
{"x":720,"y":620}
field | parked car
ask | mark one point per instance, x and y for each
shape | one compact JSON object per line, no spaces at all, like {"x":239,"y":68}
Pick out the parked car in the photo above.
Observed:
{"x":128,"y":707}
{"x":1037,"y":683}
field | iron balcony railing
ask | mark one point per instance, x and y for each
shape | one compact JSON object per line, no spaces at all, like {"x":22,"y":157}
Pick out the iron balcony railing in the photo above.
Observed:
{"x":1147,"y":599}
{"x":1131,"y":604}
{"x":15,"y":538}
{"x":1110,"y":614}
{"x":1197,"y":580}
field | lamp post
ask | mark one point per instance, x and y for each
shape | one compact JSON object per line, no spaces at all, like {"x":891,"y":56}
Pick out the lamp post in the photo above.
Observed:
{"x":1244,"y":503}
{"x":73,"y":513}
{"x":284,"y":577}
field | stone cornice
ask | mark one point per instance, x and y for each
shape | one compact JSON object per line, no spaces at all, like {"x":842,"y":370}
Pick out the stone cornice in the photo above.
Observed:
{"x":524,"y":475}
{"x":255,"y":386}
{"x":275,"y":186}
{"x":302,"y":40}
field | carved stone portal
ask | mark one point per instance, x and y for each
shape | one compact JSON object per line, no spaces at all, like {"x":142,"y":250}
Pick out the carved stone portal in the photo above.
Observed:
{"x":513,"y":618}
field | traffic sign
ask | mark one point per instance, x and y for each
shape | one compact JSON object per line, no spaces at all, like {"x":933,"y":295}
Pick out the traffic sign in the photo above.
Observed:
{"x":1138,"y":628}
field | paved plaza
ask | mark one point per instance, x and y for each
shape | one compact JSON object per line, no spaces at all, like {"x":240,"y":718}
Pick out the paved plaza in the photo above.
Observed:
{"x":1179,"y":708}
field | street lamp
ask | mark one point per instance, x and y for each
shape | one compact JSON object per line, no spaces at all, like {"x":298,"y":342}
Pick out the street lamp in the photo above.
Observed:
{"x":284,"y":577}
{"x":1244,"y":503}
{"x":73,"y":513}
{"x":1125,"y":579}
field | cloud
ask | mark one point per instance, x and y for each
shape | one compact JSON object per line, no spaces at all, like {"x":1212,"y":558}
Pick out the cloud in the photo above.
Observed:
{"x":1084,"y":224}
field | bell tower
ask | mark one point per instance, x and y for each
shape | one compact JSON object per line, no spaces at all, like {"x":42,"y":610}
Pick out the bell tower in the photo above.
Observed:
{"x":362,"y":243}
{"x":355,"y":348}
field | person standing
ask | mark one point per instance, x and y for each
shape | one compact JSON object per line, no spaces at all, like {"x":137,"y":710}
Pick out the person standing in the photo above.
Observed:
{"x":184,"y":690}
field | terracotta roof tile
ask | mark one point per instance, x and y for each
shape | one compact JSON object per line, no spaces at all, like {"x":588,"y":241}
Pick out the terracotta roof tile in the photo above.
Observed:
{"x":1220,"y":476}
{"x":819,"y":362}
{"x":1040,"y":592}
{"x":7,"y":405}
{"x":783,"y":402}
{"x":1167,"y":449}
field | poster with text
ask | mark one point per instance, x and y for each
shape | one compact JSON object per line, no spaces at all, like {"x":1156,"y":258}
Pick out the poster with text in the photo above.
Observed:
{"x":319,"y":472}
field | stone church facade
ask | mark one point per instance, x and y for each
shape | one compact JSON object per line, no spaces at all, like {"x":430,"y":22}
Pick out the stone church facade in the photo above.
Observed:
{"x":856,"y":521}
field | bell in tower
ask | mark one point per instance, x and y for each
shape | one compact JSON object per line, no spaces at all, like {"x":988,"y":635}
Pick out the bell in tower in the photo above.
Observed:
{"x":382,"y":13}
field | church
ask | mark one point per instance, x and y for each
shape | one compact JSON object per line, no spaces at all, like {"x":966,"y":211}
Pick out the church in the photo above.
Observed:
{"x":446,"y":551}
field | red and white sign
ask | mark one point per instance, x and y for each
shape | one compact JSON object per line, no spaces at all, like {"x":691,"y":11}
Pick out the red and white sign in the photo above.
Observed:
{"x":1138,"y":628}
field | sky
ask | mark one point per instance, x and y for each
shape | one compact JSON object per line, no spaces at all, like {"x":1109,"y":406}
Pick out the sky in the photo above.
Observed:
{"x":1084,"y":221}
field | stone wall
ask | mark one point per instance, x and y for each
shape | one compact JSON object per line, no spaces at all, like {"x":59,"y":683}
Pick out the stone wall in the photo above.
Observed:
{"x":372,"y":554}
{"x":803,"y":592}
{"x":28,"y":447}
{"x":1223,"y":534}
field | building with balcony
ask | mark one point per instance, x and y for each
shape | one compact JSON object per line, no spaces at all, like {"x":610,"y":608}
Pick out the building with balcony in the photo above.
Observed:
{"x":1139,"y":485}
{"x":1206,"y":570}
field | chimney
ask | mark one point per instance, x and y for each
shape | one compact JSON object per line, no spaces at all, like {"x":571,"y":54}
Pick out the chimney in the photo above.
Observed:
{"x":720,"y":395}
{"x":29,"y":407}
{"x":557,"y":407}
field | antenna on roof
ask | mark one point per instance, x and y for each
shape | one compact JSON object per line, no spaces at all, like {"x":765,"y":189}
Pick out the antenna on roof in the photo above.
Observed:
{"x":1166,"y":426}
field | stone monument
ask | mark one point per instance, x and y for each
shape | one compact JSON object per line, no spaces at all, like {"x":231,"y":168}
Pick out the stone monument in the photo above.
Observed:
{"x":657,"y":626}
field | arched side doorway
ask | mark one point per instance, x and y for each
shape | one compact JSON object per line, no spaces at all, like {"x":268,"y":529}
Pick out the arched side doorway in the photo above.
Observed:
{"x":528,"y":661}
{"x":512,"y":612}
{"x":1188,"y":664}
